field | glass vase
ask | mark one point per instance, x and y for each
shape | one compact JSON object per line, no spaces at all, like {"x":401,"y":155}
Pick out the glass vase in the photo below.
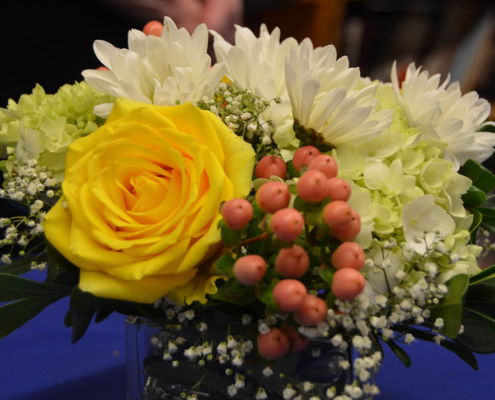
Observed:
{"x":157,"y":371}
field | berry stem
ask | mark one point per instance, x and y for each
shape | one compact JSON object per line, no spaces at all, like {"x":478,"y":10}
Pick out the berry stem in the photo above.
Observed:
{"x":263,"y":236}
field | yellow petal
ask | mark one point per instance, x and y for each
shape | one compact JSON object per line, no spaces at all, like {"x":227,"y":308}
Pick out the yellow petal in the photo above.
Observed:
{"x":196,"y":289}
{"x":147,"y":290}
{"x":239,"y":157}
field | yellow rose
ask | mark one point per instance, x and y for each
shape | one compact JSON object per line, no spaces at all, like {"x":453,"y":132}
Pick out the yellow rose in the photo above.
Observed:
{"x":142,"y":197}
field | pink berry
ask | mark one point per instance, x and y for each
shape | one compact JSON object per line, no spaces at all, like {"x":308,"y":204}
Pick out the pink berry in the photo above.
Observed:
{"x":337,"y":214}
{"x":312,"y":187}
{"x":271,"y":165}
{"x":250,"y":269}
{"x":287,"y":224}
{"x":102,"y":68}
{"x":273,"y":345}
{"x":304,"y":155}
{"x":325,"y":164}
{"x":237,"y":213}
{"x":312,"y":311}
{"x":153,"y":28}
{"x":348,"y":255}
{"x":297,"y":342}
{"x":347,"y":284}
{"x":349,"y":231}
{"x":338,"y":189}
{"x":273,"y":196}
{"x":293,"y":262}
{"x":289,"y":294}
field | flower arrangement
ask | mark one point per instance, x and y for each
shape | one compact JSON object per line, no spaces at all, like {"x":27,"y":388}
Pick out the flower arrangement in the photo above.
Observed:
{"x":277,"y":190}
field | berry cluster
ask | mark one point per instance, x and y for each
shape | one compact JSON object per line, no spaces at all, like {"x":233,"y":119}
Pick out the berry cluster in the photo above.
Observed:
{"x":307,"y":259}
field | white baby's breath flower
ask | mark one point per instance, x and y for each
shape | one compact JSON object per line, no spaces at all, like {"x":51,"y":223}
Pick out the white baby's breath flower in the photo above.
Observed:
{"x":439,"y":323}
{"x":231,"y":390}
{"x":344,"y":364}
{"x":222,"y":348}
{"x":438,"y":339}
{"x":231,"y":342}
{"x":331,"y":392}
{"x":289,"y":393}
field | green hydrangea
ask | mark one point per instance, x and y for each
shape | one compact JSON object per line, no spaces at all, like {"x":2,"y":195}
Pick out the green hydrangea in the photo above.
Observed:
{"x":41,"y":126}
{"x":394,"y":169}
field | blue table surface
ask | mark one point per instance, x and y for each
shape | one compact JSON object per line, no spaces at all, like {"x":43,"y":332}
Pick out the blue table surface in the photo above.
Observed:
{"x":38,"y":362}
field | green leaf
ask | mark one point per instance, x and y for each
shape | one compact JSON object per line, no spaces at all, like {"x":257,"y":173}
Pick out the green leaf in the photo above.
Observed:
{"x":55,"y":256}
{"x":450,"y":307}
{"x":462,"y":352}
{"x":292,"y":171}
{"x":85,"y":301}
{"x":399,"y":352}
{"x":487,"y":212}
{"x":3,"y":166}
{"x":326,"y":273}
{"x":490,"y":322}
{"x":104,"y":313}
{"x":302,"y":206}
{"x":68,"y":318}
{"x":488,"y":128}
{"x":16,"y":314}
{"x":478,"y":337}
{"x":474,"y":197}
{"x":225,"y":265}
{"x":21,"y":265}
{"x":257,"y":211}
{"x":331,"y":299}
{"x":14,"y":287}
{"x":477,"y":218}
{"x":482,"y":178}
{"x":266,"y":297}
{"x":60,"y":276}
{"x":80,"y":323}
{"x":230,"y":237}
{"x":490,"y":201}
{"x":480,"y":293}
{"x":484,"y":275}
{"x":233,"y":292}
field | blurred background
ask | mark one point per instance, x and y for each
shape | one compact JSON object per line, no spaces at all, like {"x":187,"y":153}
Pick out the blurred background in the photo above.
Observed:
{"x":50,"y":41}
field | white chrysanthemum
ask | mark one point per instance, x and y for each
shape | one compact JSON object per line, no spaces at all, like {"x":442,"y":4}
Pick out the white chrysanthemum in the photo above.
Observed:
{"x":323,"y":95}
{"x":156,"y":70}
{"x":440,"y":110}
{"x":257,"y":63}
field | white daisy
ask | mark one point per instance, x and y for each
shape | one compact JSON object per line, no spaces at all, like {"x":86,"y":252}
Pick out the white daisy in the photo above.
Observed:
{"x":156,"y":70}
{"x":441,"y":111}
{"x":257,"y":63}
{"x":324,"y":97}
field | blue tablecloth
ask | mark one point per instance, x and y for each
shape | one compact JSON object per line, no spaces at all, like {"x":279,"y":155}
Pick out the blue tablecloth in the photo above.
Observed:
{"x":38,"y":362}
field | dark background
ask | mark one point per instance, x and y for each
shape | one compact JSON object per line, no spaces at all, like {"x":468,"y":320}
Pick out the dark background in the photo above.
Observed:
{"x":50,"y":42}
